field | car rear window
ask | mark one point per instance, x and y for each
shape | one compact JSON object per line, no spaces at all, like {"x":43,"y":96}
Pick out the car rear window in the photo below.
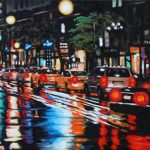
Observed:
{"x":48,"y":71}
{"x":117,"y":72}
{"x":78,"y":73}
{"x":99,"y":71}
{"x":28,"y":71}
{"x":13,"y":70}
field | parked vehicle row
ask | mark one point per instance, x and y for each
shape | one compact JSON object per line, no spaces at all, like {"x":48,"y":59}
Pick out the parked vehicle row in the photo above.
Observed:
{"x":47,"y":78}
{"x":101,"y":79}
{"x":111,"y":83}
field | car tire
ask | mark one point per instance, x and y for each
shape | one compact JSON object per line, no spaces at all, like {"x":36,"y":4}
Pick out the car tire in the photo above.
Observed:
{"x":39,"y":83}
{"x":86,"y":91}
{"x":67,"y":89}
{"x":56,"y":87}
{"x":20,"y":89}
{"x":100,"y":93}
{"x":32,"y":85}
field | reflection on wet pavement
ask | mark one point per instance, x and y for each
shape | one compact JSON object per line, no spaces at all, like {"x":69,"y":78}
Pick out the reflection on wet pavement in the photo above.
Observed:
{"x":51,"y":120}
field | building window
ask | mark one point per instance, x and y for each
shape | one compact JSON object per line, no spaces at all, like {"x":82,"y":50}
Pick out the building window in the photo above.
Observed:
{"x":27,"y":3}
{"x":122,"y":60}
{"x":16,"y":4}
{"x":41,"y":2}
{"x":21,"y":4}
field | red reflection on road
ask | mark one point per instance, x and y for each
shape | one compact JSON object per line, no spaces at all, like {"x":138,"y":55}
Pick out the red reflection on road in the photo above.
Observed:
{"x":78,"y":123}
{"x":115,"y":139}
{"x":102,"y":141}
{"x":136,"y":142}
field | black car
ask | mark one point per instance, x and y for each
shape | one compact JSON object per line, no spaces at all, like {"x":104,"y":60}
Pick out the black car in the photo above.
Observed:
{"x":131,"y":100}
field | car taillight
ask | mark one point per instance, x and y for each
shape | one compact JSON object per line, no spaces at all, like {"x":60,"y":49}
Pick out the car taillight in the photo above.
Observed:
{"x":75,"y":79}
{"x":132,"y":82}
{"x":103,"y":81}
{"x":26,"y":75}
{"x":9,"y":75}
{"x":115,"y":95}
{"x":141,"y":98}
{"x":145,"y":86}
{"x":43,"y":78}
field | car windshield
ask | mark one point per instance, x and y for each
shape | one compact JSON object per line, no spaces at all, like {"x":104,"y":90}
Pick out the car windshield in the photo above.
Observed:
{"x":117,"y":72}
{"x":99,"y":71}
{"x":78,"y":73}
{"x":48,"y":71}
{"x":28,"y":70}
{"x":13,"y":70}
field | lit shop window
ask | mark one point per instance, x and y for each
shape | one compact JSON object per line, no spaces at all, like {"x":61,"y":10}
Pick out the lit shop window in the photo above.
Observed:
{"x":110,"y":61}
{"x":122,"y":61}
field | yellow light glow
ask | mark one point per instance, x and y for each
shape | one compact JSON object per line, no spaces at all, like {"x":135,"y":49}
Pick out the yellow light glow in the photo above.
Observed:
{"x":16,"y":45}
{"x":66,"y":7}
{"x":10,"y":20}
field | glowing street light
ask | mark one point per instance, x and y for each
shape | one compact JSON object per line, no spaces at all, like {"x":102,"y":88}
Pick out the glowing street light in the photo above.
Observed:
{"x":66,"y":7}
{"x":10,"y":20}
{"x":16,"y":45}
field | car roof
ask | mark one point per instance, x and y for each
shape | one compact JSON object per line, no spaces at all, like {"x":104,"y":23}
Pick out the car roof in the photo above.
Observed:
{"x":74,"y":70}
{"x":106,"y":66}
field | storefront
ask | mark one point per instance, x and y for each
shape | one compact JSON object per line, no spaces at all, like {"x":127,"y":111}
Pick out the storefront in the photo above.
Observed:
{"x":80,"y":56}
{"x":110,"y":57}
{"x":140,"y":60}
{"x":64,"y":52}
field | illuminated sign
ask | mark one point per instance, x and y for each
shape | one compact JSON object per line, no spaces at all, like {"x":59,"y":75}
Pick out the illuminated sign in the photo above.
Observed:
{"x":6,"y":49}
{"x":47,"y":44}
{"x":27,"y":46}
{"x":135,"y":59}
{"x":64,"y":49}
{"x":134,"y":50}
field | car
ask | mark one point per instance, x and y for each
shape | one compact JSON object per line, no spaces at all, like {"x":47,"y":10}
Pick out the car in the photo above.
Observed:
{"x":35,"y":77}
{"x":71,"y":80}
{"x":10,"y":74}
{"x":44,"y":78}
{"x":47,"y":79}
{"x":103,"y":78}
{"x":24,"y":75}
{"x":131,"y":100}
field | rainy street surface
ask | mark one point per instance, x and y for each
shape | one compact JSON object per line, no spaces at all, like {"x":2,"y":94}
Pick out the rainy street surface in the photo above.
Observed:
{"x":50,"y":120}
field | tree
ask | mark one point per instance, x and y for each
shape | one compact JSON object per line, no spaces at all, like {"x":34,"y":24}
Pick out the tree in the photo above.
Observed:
{"x":87,"y":29}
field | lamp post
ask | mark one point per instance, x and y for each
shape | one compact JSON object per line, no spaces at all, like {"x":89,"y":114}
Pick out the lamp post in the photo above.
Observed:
{"x":17,"y":46}
{"x":10,"y":20}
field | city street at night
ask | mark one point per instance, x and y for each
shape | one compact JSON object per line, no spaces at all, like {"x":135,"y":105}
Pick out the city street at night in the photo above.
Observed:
{"x":74,"y":75}
{"x":50,"y":120}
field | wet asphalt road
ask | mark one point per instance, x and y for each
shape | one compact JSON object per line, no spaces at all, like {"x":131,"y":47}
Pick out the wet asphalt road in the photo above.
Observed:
{"x":50,"y":120}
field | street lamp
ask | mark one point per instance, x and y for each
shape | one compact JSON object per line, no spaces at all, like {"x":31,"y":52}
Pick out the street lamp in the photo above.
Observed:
{"x":10,"y":20}
{"x":66,"y":7}
{"x":17,"y":45}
